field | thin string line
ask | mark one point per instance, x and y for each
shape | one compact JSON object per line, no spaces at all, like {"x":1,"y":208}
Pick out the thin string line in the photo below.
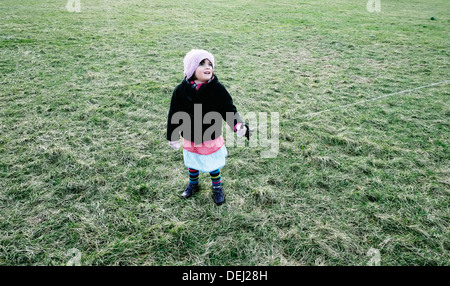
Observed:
{"x":370,"y":99}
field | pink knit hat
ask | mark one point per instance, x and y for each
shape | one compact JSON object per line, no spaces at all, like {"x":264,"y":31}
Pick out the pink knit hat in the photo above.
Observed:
{"x":193,"y":59}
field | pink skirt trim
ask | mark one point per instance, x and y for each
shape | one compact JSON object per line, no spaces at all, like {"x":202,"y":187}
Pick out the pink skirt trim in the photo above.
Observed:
{"x":205,"y":148}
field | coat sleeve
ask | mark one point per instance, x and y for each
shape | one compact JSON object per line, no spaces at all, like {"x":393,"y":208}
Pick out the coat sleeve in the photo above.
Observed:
{"x":228,"y":109}
{"x":174,"y":108}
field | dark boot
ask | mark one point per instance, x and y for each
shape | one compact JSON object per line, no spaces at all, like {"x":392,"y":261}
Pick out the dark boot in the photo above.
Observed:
{"x":189,"y":191}
{"x":218,"y":195}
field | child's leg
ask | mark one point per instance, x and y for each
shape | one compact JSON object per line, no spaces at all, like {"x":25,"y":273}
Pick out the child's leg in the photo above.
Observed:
{"x":193,"y":176}
{"x":216,"y":178}
{"x":217,"y":191}
{"x":192,"y":187}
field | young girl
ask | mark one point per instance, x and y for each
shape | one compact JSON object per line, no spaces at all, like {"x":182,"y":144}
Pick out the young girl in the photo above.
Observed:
{"x":199,"y":94}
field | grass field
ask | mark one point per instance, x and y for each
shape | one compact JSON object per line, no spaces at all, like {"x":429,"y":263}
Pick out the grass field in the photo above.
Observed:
{"x":84,"y":163}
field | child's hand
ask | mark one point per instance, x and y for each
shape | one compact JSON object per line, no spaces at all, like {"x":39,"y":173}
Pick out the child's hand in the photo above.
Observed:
{"x":244,"y":130}
{"x":241,"y":130}
{"x":174,"y":144}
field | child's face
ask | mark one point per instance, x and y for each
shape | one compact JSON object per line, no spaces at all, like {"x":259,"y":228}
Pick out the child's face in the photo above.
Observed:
{"x":204,"y":71}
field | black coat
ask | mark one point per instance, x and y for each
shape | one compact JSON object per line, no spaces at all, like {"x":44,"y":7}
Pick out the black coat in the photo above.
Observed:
{"x":212,"y":98}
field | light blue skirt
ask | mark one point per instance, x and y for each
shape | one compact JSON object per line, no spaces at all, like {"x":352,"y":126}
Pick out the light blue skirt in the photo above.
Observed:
{"x":205,"y":163}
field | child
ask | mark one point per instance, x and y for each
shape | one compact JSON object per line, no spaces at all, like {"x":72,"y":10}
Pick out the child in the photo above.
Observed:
{"x":201,"y":93}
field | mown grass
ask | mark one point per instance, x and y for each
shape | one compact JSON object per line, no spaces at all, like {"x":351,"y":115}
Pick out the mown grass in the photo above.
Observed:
{"x":84,"y":162}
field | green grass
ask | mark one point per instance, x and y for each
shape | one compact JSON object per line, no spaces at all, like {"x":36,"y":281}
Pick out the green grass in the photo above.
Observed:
{"x":84,"y":162}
